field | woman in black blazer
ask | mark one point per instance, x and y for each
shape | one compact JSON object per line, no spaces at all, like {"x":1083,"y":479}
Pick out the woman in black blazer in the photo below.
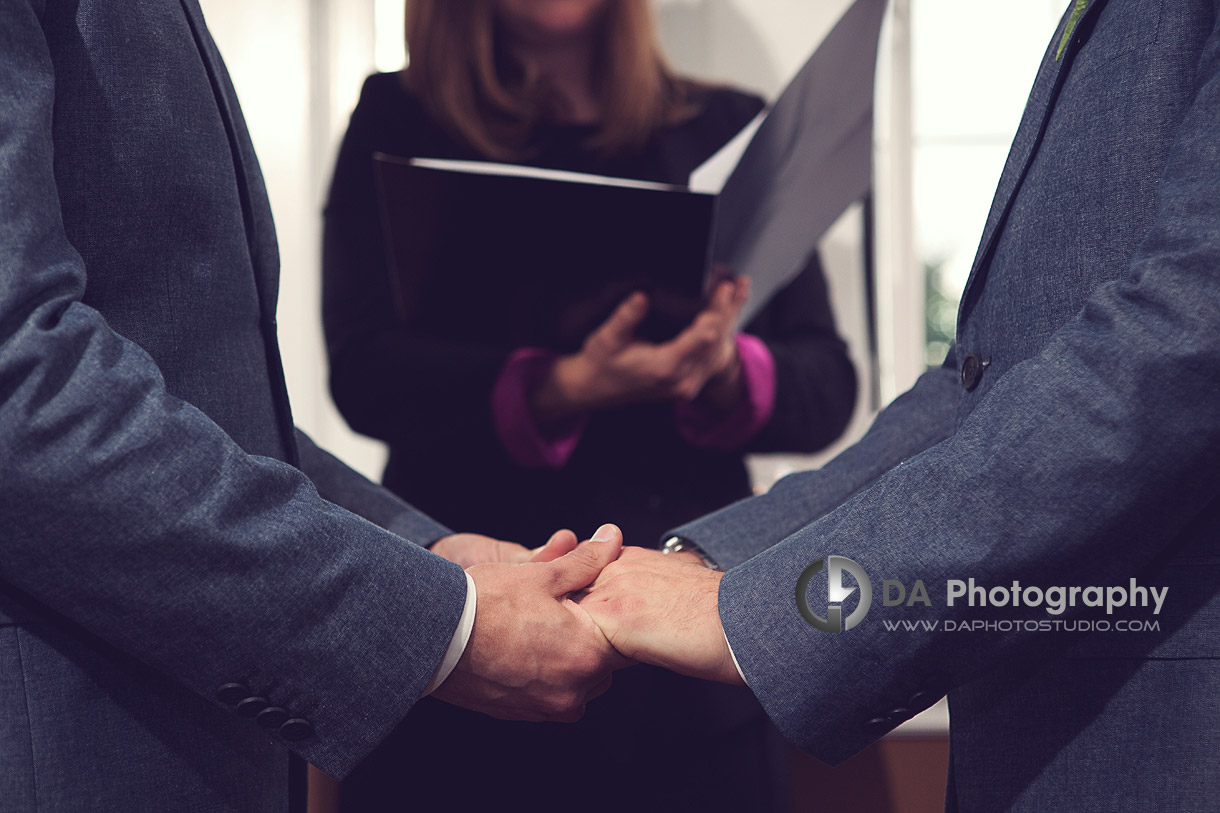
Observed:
{"x":514,"y":442}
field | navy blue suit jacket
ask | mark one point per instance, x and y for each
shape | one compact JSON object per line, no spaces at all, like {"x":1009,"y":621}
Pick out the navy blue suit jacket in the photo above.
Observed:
{"x":162,"y":534}
{"x":1072,"y":438}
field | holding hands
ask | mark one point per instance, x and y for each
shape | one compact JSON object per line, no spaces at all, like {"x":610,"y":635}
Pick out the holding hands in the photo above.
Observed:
{"x":553,"y":623}
{"x":662,"y":609}
{"x":533,"y":653}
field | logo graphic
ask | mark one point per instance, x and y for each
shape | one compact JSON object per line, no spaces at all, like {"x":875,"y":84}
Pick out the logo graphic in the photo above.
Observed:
{"x":836,"y":594}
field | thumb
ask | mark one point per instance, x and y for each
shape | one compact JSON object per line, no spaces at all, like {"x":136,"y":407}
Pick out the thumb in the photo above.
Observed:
{"x":723,"y":296}
{"x":560,"y":543}
{"x":744,"y":288}
{"x":578,"y":568}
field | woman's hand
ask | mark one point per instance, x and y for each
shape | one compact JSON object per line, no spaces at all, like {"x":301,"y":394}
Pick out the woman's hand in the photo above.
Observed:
{"x":615,"y":368}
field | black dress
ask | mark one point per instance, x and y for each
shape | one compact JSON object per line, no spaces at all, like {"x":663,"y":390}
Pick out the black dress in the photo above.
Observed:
{"x":667,"y":742}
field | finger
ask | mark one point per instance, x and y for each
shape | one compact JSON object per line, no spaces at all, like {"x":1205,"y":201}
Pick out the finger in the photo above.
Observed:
{"x":578,"y":568}
{"x":693,"y":344}
{"x":722,"y":271}
{"x":596,"y":616}
{"x":729,"y":298}
{"x":513,"y":553}
{"x":560,"y":543}
{"x":703,"y":342}
{"x":723,"y":297}
{"x":619,"y":329}
{"x":742,"y":293}
{"x":690,"y":388}
{"x":620,"y":661}
{"x":600,"y":689}
{"x":571,"y":715}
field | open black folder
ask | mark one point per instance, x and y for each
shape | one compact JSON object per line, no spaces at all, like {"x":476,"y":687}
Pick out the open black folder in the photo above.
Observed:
{"x":538,"y":257}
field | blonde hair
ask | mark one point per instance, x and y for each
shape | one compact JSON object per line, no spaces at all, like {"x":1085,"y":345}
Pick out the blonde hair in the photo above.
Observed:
{"x":462,"y":77}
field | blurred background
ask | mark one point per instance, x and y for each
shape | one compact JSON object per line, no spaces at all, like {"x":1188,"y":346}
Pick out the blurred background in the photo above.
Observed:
{"x":952,"y":80}
{"x":950,"y":94}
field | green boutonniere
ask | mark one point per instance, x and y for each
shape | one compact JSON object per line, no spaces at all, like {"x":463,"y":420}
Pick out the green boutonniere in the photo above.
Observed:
{"x":1077,"y":11}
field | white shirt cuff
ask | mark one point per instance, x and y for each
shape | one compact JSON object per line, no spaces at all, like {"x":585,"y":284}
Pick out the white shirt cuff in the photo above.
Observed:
{"x":736,"y":665}
{"x":461,"y":637}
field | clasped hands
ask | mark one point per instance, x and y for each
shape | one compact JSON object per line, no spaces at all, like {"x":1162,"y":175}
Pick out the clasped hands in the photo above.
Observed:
{"x":614,"y":367}
{"x":553,"y":623}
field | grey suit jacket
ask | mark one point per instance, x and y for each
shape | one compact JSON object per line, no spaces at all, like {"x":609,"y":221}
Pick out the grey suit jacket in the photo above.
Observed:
{"x":1072,"y":438}
{"x":168,"y":568}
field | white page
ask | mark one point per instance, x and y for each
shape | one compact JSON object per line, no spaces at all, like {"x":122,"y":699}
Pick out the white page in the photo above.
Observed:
{"x":518,"y":171}
{"x":711,"y":175}
{"x":810,"y":159}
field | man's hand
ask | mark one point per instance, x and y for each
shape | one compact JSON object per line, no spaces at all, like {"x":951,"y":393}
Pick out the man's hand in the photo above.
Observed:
{"x":533,"y":653}
{"x":468,"y":550}
{"x":614,"y":367}
{"x":662,"y":610}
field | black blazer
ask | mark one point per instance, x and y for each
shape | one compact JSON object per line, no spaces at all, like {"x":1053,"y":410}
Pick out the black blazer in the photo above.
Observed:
{"x":430,"y":398}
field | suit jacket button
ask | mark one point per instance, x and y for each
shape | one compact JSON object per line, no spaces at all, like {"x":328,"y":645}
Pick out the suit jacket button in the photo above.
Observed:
{"x":232,"y":693}
{"x":900,"y":714}
{"x":922,"y":700}
{"x":878,"y":725}
{"x":251,"y":706}
{"x":272,"y":717}
{"x":296,"y":729}
{"x":972,"y":372}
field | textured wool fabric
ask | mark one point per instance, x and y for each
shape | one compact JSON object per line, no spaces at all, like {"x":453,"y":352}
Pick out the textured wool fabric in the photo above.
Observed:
{"x":1071,"y":438}
{"x":165,"y":553}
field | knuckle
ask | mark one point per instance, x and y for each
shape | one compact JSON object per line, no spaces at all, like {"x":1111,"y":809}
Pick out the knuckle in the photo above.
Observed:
{"x":552,"y":577}
{"x":566,"y":705}
{"x":584,"y":556}
{"x":673,"y":378}
{"x":570,"y":715}
{"x":582,"y":560}
{"x":685,"y":389}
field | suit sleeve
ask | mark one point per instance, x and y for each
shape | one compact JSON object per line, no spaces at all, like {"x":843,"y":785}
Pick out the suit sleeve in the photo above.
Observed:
{"x":1081,"y":467}
{"x":338,"y":483}
{"x":915,"y":421}
{"x":135,"y":518}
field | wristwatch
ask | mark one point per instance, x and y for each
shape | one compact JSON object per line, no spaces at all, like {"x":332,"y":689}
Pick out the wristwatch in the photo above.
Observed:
{"x":676,"y":544}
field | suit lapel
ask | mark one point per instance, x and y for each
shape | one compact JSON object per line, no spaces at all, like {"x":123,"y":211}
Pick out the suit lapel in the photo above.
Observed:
{"x":1028,"y":138}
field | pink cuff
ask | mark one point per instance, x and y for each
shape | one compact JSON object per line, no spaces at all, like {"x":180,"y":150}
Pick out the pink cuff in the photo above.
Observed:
{"x":706,"y":430}
{"x":523,"y":439}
